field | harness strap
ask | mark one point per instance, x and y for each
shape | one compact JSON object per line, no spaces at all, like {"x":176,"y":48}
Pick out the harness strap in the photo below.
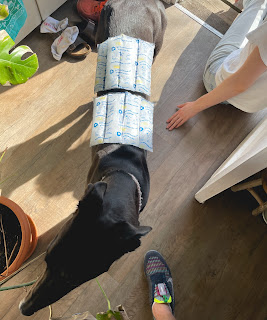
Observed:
{"x":138,"y":187}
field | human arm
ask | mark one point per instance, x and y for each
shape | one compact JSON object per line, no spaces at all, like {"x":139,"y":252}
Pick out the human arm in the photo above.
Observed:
{"x":235,"y":84}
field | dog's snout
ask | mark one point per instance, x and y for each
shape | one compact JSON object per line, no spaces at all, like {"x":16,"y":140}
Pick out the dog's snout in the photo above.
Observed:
{"x":24,"y":309}
{"x":36,"y":297}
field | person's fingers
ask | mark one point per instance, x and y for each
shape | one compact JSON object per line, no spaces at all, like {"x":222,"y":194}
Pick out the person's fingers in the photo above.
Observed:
{"x":172,"y":117}
{"x":176,"y":123}
{"x":175,"y":114}
{"x":173,"y":120}
{"x":180,"y":123}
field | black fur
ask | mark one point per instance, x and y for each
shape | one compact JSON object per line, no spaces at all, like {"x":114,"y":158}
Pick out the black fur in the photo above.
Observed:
{"x":105,"y":225}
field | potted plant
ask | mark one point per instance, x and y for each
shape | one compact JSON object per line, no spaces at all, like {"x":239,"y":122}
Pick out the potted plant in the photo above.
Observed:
{"x":18,"y":235}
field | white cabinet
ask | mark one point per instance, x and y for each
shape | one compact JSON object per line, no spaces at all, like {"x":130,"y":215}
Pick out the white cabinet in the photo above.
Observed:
{"x":37,"y":11}
{"x":47,"y":7}
{"x":32,"y":21}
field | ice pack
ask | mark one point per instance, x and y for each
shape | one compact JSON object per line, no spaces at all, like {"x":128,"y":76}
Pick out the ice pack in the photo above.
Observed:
{"x":124,"y":63}
{"x":123,"y":118}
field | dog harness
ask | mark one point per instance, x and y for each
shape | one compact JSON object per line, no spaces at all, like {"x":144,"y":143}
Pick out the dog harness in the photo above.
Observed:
{"x":138,"y":187}
{"x":124,"y":63}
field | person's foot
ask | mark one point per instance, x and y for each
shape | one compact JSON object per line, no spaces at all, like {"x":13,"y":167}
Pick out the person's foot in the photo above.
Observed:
{"x":159,"y":279}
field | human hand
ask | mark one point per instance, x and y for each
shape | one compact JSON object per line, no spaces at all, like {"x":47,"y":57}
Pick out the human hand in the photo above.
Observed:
{"x":186,"y":111}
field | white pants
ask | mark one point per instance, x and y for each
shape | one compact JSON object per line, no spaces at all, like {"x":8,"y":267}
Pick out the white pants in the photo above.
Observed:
{"x":254,"y":13}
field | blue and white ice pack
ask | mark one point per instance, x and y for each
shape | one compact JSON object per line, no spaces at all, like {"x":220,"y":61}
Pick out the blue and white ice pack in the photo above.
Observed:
{"x":123,"y":118}
{"x":124,"y":63}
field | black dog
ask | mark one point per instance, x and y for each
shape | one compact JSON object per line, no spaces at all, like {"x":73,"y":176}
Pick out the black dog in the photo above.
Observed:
{"x":105,"y":225}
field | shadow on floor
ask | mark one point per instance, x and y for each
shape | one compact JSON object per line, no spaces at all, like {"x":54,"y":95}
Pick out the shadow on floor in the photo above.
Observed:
{"x":42,"y":155}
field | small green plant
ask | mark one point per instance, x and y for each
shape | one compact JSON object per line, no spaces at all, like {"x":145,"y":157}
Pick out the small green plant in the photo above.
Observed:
{"x":110,"y":314}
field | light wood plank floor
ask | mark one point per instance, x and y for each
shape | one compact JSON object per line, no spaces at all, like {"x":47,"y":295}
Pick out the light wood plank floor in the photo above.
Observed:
{"x":214,"y":12}
{"x":216,"y":251}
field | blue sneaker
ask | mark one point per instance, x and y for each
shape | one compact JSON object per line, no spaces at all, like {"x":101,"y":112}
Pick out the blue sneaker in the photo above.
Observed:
{"x":159,"y":279}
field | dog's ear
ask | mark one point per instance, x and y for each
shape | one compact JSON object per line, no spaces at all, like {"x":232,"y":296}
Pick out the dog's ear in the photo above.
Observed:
{"x":141,"y":231}
{"x":94,"y":195}
{"x":98,"y":191}
{"x":129,"y":235}
{"x":127,"y":231}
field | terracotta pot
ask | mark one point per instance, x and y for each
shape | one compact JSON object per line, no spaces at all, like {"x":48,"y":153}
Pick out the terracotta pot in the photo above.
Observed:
{"x":28,"y":239}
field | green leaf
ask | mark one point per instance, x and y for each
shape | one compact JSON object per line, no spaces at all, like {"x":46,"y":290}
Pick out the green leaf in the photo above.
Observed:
{"x":4,"y":12}
{"x":2,"y":155}
{"x":13,"y":70}
{"x":109,"y":315}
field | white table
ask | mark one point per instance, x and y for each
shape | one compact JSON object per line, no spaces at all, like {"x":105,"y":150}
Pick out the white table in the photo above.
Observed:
{"x":247,"y":159}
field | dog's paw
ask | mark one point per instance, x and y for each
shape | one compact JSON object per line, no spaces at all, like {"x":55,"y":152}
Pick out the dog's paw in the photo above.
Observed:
{"x":170,"y":1}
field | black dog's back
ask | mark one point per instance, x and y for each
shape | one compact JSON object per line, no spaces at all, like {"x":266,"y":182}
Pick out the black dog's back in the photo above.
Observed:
{"x":140,"y":19}
{"x":128,"y":158}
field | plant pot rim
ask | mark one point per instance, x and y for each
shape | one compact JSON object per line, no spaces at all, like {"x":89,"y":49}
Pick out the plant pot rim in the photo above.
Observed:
{"x":28,"y":239}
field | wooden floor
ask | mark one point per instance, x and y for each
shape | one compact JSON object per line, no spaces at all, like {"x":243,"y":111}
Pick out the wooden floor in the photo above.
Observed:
{"x":216,"y":251}
{"x":214,"y":12}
